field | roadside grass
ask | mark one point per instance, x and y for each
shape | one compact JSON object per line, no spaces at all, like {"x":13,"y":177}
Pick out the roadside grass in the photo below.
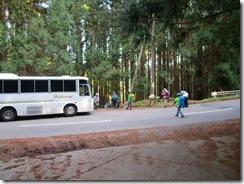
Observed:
{"x":160,"y":103}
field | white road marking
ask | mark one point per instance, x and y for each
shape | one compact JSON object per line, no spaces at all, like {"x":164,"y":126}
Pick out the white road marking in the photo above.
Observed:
{"x":203,"y":112}
{"x":70,"y":123}
{"x":103,"y":121}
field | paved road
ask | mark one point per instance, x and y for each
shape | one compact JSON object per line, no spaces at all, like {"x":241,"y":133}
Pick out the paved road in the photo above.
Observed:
{"x":162,"y":160}
{"x":114,"y":119}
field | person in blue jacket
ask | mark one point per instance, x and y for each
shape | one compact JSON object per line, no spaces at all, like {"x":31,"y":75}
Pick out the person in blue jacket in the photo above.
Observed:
{"x":179,"y":101}
{"x":114,"y":100}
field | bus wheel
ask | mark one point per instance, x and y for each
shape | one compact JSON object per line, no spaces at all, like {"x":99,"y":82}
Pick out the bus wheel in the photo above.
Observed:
{"x":8,"y":114}
{"x":70,"y":110}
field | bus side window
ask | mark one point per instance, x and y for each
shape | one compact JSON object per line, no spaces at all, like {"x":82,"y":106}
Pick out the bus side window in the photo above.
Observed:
{"x":10,"y":86}
{"x":27,"y":86}
{"x":1,"y":86}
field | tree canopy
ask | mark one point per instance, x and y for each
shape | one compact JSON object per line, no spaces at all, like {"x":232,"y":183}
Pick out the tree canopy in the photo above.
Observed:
{"x":191,"y":45}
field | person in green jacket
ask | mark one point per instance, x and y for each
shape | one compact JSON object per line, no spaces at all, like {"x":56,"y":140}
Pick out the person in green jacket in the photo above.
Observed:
{"x":179,"y":102}
{"x":129,"y":101}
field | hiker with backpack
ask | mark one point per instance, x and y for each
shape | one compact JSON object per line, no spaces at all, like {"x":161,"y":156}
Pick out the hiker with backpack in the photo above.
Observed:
{"x":165,"y":95}
{"x":114,"y":100}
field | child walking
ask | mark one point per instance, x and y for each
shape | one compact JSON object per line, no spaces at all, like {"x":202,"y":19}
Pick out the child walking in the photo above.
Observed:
{"x":179,"y":101}
{"x":129,"y":101}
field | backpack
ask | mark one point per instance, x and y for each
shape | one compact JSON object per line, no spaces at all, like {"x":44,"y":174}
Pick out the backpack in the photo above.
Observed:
{"x":115,"y":96}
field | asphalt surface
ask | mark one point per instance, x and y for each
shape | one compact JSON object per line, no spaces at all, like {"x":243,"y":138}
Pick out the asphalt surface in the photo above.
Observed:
{"x":119,"y":119}
{"x":162,"y":160}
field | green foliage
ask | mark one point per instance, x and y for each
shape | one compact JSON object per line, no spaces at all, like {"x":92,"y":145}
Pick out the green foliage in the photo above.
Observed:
{"x":225,"y":77}
{"x":142,"y":87}
{"x":195,"y":40}
{"x":141,"y":103}
{"x":105,"y":72}
{"x":137,"y":16}
{"x":212,"y":41}
{"x":3,"y":39}
{"x":94,"y":57}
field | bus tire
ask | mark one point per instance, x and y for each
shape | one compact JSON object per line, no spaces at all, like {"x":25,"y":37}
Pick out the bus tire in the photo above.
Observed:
{"x":70,"y":110}
{"x":8,"y":114}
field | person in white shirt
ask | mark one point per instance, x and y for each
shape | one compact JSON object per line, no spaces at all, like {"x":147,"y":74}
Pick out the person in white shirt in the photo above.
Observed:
{"x":185,"y":95}
{"x":96,"y":101}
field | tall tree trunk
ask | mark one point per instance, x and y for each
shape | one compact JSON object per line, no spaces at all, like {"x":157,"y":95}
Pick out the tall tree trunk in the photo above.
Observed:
{"x":199,"y":76}
{"x":79,"y":50}
{"x":176,"y":75}
{"x":126,"y":69}
{"x":168,"y":68}
{"x":152,"y":77}
{"x":182,"y":73}
{"x":3,"y":55}
{"x":159,"y":69}
{"x":137,"y":67}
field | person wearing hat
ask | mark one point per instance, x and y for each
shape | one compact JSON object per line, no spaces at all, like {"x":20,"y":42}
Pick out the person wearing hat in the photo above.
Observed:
{"x":165,"y":95}
{"x":185,"y":96}
{"x":179,"y":101}
{"x":96,"y":101}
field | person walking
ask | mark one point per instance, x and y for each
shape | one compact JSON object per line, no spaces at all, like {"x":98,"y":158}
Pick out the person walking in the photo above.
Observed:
{"x":96,"y":101}
{"x":129,"y":101}
{"x":179,"y":101}
{"x":165,"y":95}
{"x":185,"y":95}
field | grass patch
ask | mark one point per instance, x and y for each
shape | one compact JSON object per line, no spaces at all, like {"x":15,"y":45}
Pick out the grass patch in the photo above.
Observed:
{"x":221,"y":98}
{"x":160,"y":103}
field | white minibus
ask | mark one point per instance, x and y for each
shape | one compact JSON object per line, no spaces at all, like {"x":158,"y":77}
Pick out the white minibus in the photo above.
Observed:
{"x":43,"y":95}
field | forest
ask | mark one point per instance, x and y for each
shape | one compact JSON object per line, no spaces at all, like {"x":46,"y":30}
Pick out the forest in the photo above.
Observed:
{"x":142,"y":46}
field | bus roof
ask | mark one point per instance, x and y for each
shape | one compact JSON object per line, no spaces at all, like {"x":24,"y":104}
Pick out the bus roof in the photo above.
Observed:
{"x":14,"y":76}
{"x":8,"y":75}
